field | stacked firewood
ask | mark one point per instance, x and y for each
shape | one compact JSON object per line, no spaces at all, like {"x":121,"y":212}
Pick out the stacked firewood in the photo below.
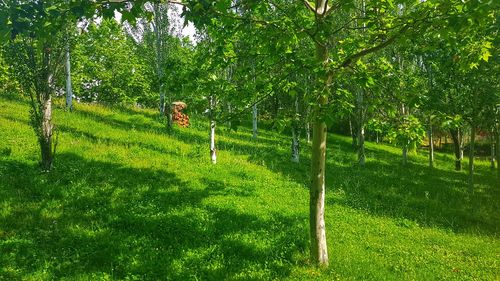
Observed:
{"x":178,"y":117}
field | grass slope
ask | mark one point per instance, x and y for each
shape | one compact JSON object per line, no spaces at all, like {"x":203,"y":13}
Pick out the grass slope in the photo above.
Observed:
{"x":126,"y":201}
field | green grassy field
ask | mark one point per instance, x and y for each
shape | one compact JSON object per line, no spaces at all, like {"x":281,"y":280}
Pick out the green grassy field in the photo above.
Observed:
{"x":126,"y":201}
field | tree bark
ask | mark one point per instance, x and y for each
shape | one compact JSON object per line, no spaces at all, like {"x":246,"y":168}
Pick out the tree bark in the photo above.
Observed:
{"x":497,"y":150}
{"x":295,"y":146}
{"x":254,"y":121}
{"x":457,"y":148}
{"x":431,"y":144}
{"x":296,"y":133}
{"x":69,"y":89}
{"x":319,"y":253}
{"x":492,"y":149}
{"x":471,"y":157}
{"x":45,"y":136}
{"x":352,"y":131}
{"x":164,"y":106}
{"x":405,"y":153}
{"x":230,"y":111}
{"x":213,"y":150}
{"x":308,"y":132}
{"x":361,"y":128}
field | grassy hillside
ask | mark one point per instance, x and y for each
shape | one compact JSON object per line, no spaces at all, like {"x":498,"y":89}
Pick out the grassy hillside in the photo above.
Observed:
{"x":126,"y":201}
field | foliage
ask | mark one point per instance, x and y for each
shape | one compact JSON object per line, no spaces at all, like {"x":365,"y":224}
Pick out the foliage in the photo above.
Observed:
{"x":408,"y":132}
{"x":106,"y":68}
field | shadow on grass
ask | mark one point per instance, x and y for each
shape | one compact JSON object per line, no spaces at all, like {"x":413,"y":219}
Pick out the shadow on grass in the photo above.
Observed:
{"x":384,"y":187}
{"x":91,"y":220}
{"x":139,"y":120}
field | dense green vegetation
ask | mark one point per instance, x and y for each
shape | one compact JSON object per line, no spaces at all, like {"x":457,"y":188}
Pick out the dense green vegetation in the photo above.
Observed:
{"x":104,"y":186}
{"x":126,"y":201}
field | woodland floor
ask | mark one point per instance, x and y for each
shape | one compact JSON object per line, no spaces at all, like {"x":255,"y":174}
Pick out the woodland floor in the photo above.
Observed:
{"x":127,"y":201}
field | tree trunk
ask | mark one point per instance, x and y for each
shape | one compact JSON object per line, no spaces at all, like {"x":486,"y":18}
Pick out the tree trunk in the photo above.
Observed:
{"x":461,"y":143}
{"x":69,"y":90}
{"x":307,"y":124}
{"x":296,"y":133}
{"x":431,"y":144}
{"x":159,"y":34}
{"x":319,"y":253}
{"x":497,"y":150}
{"x":295,"y":145}
{"x":405,"y":153}
{"x":230,"y":111}
{"x":361,"y":128}
{"x":45,"y":136}
{"x":471,"y":157}
{"x":376,"y":137}
{"x":352,"y":131}
{"x":254,"y":121}
{"x":308,"y":132}
{"x":492,"y":149}
{"x":213,"y":150}
{"x":456,"y":148}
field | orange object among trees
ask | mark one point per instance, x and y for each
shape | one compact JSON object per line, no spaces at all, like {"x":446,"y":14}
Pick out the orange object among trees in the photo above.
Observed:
{"x":178,"y":117}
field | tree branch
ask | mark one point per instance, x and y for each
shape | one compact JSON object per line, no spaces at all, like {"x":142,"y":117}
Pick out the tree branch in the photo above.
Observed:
{"x":309,"y":6}
{"x":348,"y":61}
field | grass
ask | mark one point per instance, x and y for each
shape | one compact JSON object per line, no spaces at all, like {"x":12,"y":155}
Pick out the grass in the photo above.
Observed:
{"x":126,"y":201}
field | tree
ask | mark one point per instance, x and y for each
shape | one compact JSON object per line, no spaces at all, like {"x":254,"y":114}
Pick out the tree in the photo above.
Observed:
{"x":34,"y":52}
{"x":105,"y":67}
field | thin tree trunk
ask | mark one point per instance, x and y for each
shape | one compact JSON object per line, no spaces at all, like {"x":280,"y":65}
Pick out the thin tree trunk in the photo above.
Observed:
{"x":296,"y":134}
{"x":319,"y":253}
{"x":308,"y":132}
{"x":295,"y":146}
{"x":69,"y":90}
{"x":352,"y":131}
{"x":230,"y":111}
{"x":254,"y":121}
{"x":471,"y":157}
{"x":462,"y":143}
{"x":376,"y":137}
{"x":431,"y":144}
{"x":497,"y":150}
{"x":159,"y":32}
{"x":213,"y":150}
{"x":361,"y":128}
{"x":456,"y":148}
{"x":307,"y":124}
{"x":492,"y":148}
